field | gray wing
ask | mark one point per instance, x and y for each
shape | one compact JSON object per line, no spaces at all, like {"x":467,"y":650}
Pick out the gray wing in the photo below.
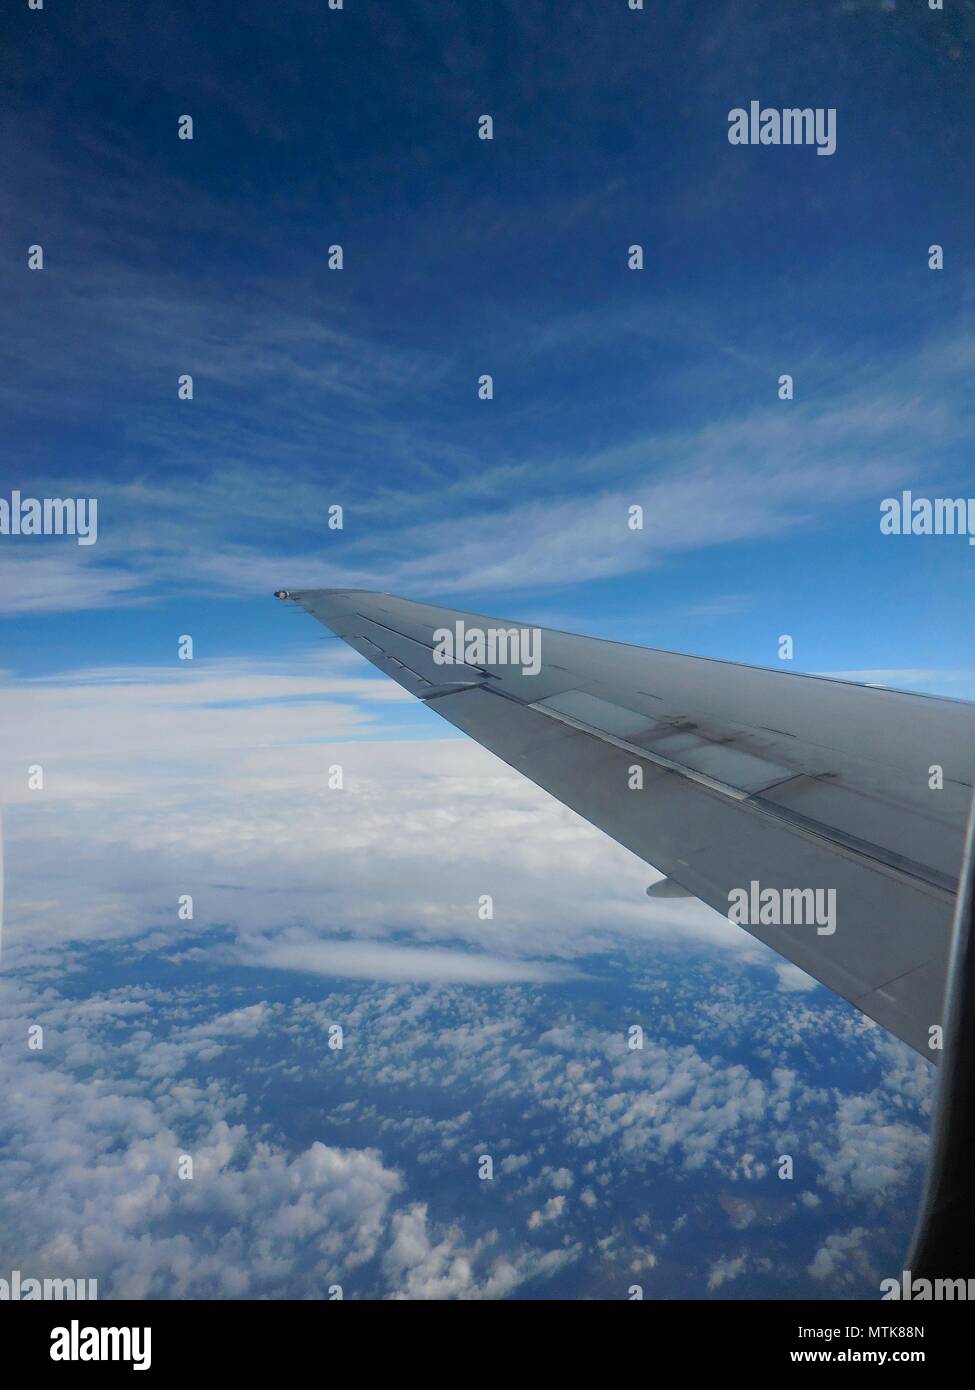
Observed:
{"x":793,"y":782}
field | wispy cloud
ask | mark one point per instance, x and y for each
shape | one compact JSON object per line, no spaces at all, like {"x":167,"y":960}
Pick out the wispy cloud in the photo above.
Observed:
{"x":370,"y":960}
{"x":765,"y":473}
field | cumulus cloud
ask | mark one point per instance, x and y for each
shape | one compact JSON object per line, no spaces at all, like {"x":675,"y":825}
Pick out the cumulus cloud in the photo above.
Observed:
{"x":132,"y":1165}
{"x":843,"y":1257}
{"x":793,"y":980}
{"x":213,"y":782}
{"x":726,"y":1269}
{"x":419,"y":1266}
{"x":512,"y":1163}
{"x":131,"y":1080}
{"x":553,"y":1210}
{"x":92,"y":1188}
{"x":870,"y":1153}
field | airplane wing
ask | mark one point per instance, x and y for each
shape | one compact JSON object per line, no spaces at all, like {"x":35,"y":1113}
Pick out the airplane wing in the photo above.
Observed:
{"x":748,"y":776}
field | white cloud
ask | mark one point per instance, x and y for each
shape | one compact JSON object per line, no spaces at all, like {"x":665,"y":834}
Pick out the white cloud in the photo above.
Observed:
{"x":869,"y":1154}
{"x":512,"y":1163}
{"x":419,"y":1266}
{"x":553,"y":1210}
{"x":64,"y":578}
{"x":726,"y":1269}
{"x":90,"y":1182}
{"x":364,"y":960}
{"x":211,"y":779}
{"x":843,"y":1257}
{"x":792,"y":980}
{"x":91,"y":1189}
{"x":126,"y":1084}
{"x":744,"y":476}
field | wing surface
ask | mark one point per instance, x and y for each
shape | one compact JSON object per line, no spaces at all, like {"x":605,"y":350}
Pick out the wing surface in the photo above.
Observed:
{"x":749,"y":775}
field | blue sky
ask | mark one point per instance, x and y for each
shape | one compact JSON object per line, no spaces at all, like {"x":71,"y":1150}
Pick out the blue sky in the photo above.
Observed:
{"x":359,"y":387}
{"x":463,"y":256}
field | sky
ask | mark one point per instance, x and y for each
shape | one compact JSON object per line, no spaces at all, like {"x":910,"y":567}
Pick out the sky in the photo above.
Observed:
{"x":358,"y":387}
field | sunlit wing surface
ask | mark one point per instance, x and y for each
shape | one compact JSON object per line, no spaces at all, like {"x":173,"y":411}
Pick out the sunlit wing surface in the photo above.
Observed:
{"x":748,"y":775}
